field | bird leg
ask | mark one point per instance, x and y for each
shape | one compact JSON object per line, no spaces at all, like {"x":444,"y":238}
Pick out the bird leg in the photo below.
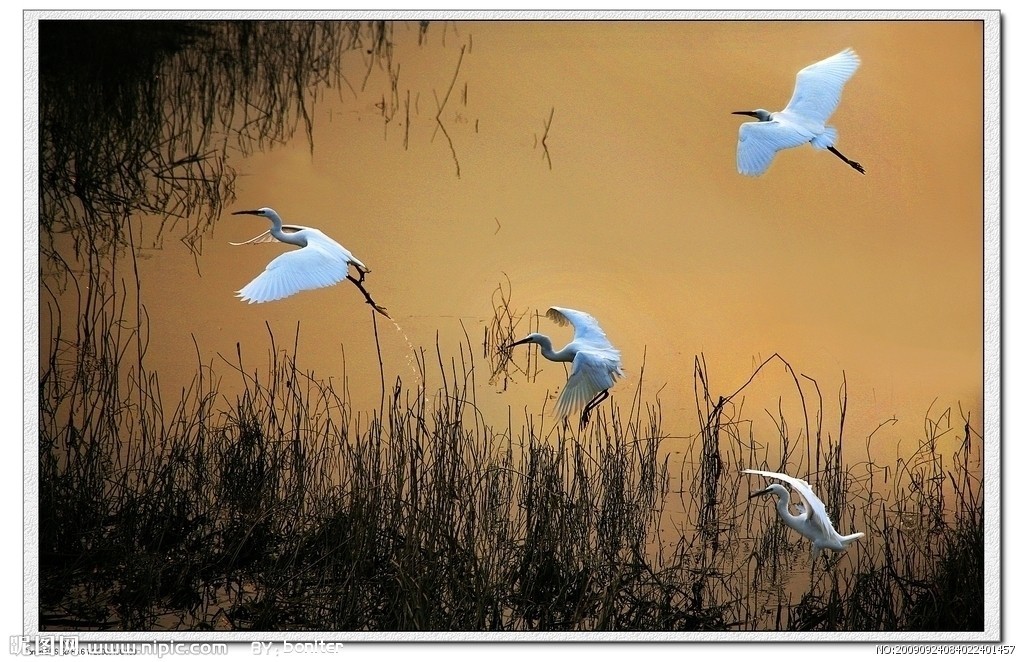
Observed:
{"x":853,"y":164}
{"x":362,"y":272}
{"x":359,"y":283}
{"x":585,"y":416}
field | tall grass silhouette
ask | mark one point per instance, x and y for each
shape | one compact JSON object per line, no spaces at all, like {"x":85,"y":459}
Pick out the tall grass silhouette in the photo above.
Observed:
{"x":278,"y":507}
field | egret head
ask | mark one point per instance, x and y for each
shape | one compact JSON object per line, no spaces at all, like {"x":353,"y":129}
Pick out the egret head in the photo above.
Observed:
{"x":761,"y":114}
{"x":533,"y":337}
{"x":774,"y":488}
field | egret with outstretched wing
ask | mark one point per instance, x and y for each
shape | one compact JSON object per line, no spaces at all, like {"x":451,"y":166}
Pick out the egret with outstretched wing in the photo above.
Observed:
{"x":319,"y":262}
{"x":817,"y":92}
{"x":596,"y":364}
{"x":812,"y":522}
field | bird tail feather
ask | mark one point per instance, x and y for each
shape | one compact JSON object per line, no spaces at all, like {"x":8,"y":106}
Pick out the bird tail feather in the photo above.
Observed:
{"x":825,"y":139}
{"x":850,"y":538}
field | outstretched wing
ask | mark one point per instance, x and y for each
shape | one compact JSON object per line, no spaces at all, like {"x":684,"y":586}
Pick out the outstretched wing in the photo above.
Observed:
{"x":318,"y":264}
{"x":596,"y":365}
{"x":759,"y":141}
{"x":819,"y":86}
{"x":585,"y":326}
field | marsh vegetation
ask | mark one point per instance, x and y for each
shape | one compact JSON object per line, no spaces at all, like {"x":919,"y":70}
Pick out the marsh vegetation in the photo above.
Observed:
{"x":279,"y":507}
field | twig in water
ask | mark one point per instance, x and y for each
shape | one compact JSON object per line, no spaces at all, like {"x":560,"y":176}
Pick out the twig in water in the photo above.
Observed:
{"x":544,"y":138}
{"x":501,"y":333}
{"x":359,"y":283}
{"x":440,"y":109}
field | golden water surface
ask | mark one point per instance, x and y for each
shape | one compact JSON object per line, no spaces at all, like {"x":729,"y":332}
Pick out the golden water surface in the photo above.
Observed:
{"x":592,"y":165}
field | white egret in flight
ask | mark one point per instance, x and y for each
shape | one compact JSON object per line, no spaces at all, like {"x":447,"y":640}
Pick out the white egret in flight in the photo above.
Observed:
{"x":815,"y":98}
{"x":595,"y":362}
{"x":320,"y":262}
{"x":812,"y":522}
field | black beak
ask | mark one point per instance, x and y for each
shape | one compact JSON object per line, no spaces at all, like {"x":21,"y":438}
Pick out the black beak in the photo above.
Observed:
{"x":518,"y":342}
{"x":748,"y":113}
{"x":757,"y":494}
{"x":251,"y":212}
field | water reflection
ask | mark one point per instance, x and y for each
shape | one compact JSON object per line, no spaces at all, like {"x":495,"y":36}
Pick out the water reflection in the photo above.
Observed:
{"x":145,"y":123}
{"x":371,"y":466}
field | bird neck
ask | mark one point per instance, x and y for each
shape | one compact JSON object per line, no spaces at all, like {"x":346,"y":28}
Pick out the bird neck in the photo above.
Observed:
{"x":277,"y":231}
{"x":782,"y":505}
{"x":546,"y":350}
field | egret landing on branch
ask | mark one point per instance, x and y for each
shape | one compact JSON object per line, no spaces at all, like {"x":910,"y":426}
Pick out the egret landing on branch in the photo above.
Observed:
{"x":815,"y":98}
{"x":595,"y":362}
{"x":320,"y":262}
{"x":811,"y":521}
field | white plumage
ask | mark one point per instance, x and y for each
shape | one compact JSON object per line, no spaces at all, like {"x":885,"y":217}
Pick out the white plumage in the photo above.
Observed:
{"x":812,"y":522}
{"x":319,"y":262}
{"x":815,"y":97}
{"x":596,"y":364}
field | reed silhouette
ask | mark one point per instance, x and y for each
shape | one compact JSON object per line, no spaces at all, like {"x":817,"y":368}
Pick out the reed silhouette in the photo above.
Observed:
{"x":144,"y":126}
{"x":280,"y":508}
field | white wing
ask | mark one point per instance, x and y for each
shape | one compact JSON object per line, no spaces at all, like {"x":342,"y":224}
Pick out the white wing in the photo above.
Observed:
{"x":585,"y":326}
{"x":590,"y":339}
{"x":760,"y":140}
{"x":320,"y":263}
{"x":597,"y":362}
{"x":819,"y":86}
{"x":591,"y":374}
{"x":816,"y":509}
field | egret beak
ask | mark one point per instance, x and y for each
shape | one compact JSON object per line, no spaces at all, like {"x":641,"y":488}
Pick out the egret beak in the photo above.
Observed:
{"x":748,"y":113}
{"x":518,"y":342}
{"x":251,"y":212}
{"x":757,"y":494}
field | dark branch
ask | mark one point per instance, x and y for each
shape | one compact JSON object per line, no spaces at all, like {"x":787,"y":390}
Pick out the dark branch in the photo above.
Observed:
{"x":544,"y":138}
{"x":359,"y":283}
